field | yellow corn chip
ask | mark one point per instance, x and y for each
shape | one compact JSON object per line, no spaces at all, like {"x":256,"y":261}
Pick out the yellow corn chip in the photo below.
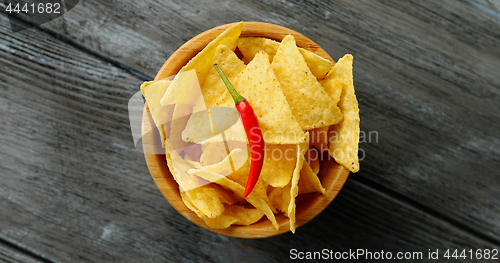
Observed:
{"x":153,"y":92}
{"x":232,"y":215}
{"x":249,"y":46}
{"x":280,"y":198}
{"x":310,"y":104}
{"x":283,"y":199}
{"x":309,"y":181}
{"x":184,"y":89}
{"x":227,"y":125}
{"x":344,"y":137}
{"x":213,"y":153}
{"x":232,"y":162}
{"x":209,"y":199}
{"x":279,"y":163}
{"x":258,"y":84}
{"x":214,"y":90}
{"x":179,"y":167}
{"x":204,"y":125}
{"x":260,"y":188}
{"x":197,"y":128}
{"x":318,"y":65}
{"x":236,"y":167}
{"x":195,"y":188}
{"x":236,"y":215}
{"x":216,"y":125}
{"x":333,"y":86}
{"x":236,"y":188}
{"x":193,"y":153}
{"x":181,"y":115}
{"x":202,"y":62}
{"x":176,"y":96}
{"x":294,"y":184}
{"x":319,"y":138}
{"x":312,"y":158}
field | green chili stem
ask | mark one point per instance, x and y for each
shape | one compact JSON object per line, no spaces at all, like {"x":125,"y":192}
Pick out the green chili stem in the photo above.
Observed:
{"x":236,"y":96}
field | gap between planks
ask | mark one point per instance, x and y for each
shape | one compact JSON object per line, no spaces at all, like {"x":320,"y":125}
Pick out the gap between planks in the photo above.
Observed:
{"x":79,"y":46}
{"x":424,"y":209}
{"x":24,"y":254}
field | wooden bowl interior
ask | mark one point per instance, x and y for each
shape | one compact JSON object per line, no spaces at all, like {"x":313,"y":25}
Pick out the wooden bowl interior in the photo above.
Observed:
{"x":332,"y":175}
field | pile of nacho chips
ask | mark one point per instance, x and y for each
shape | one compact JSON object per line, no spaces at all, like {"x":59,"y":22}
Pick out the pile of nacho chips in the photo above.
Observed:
{"x":305,"y":105}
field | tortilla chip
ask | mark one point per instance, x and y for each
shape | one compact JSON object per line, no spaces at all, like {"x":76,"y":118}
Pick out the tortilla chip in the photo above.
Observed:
{"x":318,"y":65}
{"x":209,"y":126}
{"x":258,"y":84}
{"x":333,"y":86}
{"x":236,"y":167}
{"x":249,"y":46}
{"x":280,"y":198}
{"x":312,"y":158}
{"x":260,"y":188}
{"x":279,"y":163}
{"x":183,"y":106}
{"x":182,"y":113}
{"x":344,"y":137}
{"x":214,"y":90}
{"x":209,"y":199}
{"x":227,"y":125}
{"x":153,"y":92}
{"x":236,"y":188}
{"x":197,"y":128}
{"x":184,"y":89}
{"x":193,"y":153}
{"x":222,"y":115}
{"x":319,"y":138}
{"x":232,"y":215}
{"x":236,"y":215}
{"x":213,"y":153}
{"x":202,"y":62}
{"x":294,"y":188}
{"x":231,"y":163}
{"x":309,"y":181}
{"x":310,"y":104}
{"x":179,"y":167}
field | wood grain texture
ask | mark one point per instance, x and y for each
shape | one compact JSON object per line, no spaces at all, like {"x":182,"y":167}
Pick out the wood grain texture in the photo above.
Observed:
{"x":75,"y":190}
{"x":426,"y":75}
{"x":9,"y":254}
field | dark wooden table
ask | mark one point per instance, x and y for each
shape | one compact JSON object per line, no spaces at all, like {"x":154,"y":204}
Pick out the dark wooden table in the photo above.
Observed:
{"x":427,"y":75}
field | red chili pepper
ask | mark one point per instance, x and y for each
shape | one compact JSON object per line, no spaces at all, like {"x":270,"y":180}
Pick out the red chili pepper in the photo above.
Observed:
{"x":252,"y":129}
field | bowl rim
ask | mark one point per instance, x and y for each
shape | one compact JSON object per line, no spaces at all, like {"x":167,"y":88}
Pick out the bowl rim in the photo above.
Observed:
{"x":157,"y":165}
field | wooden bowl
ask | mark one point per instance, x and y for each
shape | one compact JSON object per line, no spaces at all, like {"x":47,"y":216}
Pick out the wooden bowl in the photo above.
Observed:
{"x":332,"y":175}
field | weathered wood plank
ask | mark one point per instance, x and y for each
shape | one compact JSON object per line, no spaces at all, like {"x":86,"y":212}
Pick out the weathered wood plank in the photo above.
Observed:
{"x":426,"y":75}
{"x":8,"y":254}
{"x":361,"y":217}
{"x":75,"y":190}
